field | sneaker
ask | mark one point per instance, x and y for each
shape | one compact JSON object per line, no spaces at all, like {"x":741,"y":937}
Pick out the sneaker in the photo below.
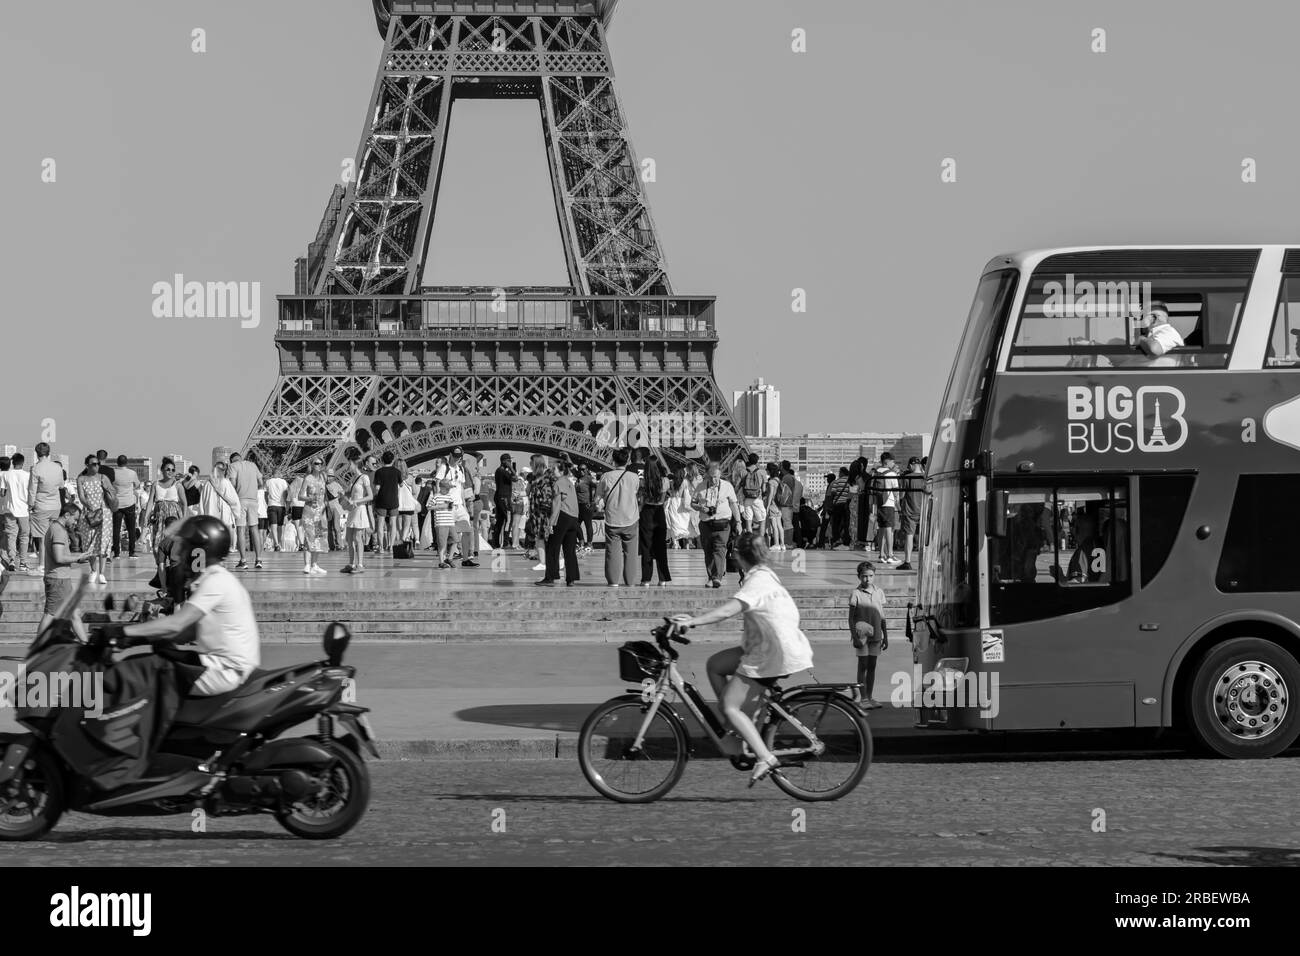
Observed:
{"x":717,"y":584}
{"x":310,"y":571}
{"x":645,"y":584}
{"x":24,"y":569}
{"x":615,"y":585}
{"x":242,"y":566}
{"x":471,"y":563}
{"x":346,"y":569}
{"x":259,"y":566}
{"x":664,"y":584}
{"x":444,"y":566}
{"x":317,"y":569}
{"x":905,"y":566}
{"x":544,"y":584}
{"x":103,"y":580}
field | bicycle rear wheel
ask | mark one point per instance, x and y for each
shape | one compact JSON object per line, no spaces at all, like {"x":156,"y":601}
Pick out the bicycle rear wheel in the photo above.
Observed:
{"x":618,"y":771}
{"x":843,"y":732}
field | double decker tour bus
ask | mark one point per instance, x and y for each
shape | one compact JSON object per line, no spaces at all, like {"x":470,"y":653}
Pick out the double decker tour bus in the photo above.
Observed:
{"x":1111,"y":528}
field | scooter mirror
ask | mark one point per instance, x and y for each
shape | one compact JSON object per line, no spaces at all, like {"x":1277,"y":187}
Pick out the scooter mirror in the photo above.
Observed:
{"x":335,"y":642}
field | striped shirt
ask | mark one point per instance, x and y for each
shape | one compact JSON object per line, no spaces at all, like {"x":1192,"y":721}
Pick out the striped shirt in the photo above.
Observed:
{"x":443,"y":506}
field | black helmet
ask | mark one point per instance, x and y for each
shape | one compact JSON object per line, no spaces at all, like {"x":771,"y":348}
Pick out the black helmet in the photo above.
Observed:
{"x":207,"y":534}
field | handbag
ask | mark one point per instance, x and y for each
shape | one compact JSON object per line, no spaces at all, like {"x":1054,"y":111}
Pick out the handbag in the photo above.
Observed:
{"x":733,"y":565}
{"x":403,"y":551}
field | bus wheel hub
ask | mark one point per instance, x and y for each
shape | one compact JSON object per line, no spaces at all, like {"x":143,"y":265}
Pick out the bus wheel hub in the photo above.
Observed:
{"x":1250,"y":699}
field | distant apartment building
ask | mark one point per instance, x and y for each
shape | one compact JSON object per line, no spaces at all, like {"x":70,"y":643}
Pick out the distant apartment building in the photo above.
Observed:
{"x":815,"y":456}
{"x":758,"y":410}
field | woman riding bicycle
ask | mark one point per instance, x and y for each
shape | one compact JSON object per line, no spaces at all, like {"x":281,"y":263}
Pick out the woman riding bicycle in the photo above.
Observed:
{"x":772,"y":646}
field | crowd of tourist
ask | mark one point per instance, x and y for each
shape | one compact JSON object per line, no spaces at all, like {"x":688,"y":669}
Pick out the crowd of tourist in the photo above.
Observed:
{"x":551,"y":510}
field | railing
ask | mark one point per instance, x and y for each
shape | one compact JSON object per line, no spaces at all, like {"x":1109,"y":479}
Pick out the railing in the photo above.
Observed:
{"x":434,"y":315}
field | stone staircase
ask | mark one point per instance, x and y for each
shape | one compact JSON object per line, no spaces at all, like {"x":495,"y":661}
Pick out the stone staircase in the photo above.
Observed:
{"x":511,"y":612}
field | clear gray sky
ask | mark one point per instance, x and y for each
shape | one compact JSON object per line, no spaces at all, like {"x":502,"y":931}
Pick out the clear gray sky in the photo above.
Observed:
{"x":775,"y":171}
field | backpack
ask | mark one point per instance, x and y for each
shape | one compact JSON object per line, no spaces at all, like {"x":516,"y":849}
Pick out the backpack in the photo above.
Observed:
{"x":784,"y":495}
{"x":753,"y":484}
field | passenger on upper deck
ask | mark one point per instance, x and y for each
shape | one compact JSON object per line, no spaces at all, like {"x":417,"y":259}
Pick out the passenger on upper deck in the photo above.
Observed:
{"x":1161,"y":337}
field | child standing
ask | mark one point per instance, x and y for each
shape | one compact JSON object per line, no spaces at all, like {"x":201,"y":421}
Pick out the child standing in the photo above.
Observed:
{"x":444,"y":507}
{"x":867,"y":629}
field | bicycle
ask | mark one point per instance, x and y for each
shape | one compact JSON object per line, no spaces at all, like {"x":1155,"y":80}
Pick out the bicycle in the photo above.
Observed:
{"x":633,"y":748}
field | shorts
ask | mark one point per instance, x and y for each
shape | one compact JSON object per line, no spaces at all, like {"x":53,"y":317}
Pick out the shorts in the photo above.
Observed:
{"x":870,"y":643}
{"x":40,"y":526}
{"x":385,"y":512}
{"x":295,"y":513}
{"x":754,"y":511}
{"x":247,"y":513}
{"x":57,"y":590}
{"x":908,"y":522}
{"x":406,"y":514}
{"x":261,"y":524}
{"x":275,"y":515}
{"x":218,"y":677}
{"x":887,"y":518}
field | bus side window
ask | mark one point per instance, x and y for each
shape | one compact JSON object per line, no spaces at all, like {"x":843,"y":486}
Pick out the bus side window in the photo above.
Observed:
{"x":1284,"y":342}
{"x":1066,"y":550}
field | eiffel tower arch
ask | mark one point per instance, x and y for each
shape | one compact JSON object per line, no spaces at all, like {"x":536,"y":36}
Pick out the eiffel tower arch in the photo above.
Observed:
{"x":371,"y":358}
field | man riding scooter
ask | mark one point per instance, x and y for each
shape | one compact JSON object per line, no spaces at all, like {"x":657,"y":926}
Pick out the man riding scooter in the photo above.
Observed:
{"x":218,"y":611}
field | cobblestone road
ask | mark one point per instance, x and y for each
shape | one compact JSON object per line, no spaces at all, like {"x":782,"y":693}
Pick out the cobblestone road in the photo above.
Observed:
{"x":989,"y":811}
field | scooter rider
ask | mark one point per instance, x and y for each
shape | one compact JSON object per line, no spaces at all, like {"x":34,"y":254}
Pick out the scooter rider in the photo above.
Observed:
{"x":218,"y":609}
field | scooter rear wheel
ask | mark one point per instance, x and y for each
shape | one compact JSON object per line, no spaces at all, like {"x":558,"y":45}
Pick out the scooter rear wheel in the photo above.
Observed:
{"x":339,"y":805}
{"x":32,"y":801}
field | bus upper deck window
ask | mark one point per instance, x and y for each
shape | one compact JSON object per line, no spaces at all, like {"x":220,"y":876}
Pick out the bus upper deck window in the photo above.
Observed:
{"x":1128,"y":320}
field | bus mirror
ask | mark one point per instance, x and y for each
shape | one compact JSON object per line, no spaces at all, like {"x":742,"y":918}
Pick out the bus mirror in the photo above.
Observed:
{"x":999,"y":502}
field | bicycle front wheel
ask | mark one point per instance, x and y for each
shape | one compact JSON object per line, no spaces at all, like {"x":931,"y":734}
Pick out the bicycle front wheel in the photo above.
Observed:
{"x":621,"y":771}
{"x":843,"y":734}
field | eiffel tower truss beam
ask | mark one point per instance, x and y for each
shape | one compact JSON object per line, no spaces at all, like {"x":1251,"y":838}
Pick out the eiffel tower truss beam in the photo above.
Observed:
{"x":610,"y":242}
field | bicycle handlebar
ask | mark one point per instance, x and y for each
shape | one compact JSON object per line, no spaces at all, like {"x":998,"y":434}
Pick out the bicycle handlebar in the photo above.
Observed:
{"x":669,"y":631}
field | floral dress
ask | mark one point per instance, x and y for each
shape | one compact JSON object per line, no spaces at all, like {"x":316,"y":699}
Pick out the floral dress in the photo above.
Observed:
{"x":96,"y":522}
{"x":315,"y":515}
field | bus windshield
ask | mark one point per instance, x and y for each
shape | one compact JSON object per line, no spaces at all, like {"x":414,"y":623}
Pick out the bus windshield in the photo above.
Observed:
{"x":947,"y":588}
{"x":971,"y":373}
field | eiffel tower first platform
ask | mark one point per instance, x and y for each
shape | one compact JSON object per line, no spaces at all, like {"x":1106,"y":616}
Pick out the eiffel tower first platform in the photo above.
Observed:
{"x":371,"y":358}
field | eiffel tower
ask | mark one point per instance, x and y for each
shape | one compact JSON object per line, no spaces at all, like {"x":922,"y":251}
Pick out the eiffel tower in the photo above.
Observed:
{"x":370,"y":358}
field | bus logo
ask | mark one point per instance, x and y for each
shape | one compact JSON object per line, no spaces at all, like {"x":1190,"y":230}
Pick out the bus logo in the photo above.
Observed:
{"x":1113,"y":418}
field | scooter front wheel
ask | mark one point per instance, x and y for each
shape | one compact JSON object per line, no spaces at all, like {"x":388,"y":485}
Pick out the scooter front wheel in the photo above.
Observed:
{"x":31,"y":801}
{"x":341,"y":797}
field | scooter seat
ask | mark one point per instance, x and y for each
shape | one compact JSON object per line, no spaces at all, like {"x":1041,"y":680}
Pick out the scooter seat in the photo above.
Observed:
{"x":202,"y":710}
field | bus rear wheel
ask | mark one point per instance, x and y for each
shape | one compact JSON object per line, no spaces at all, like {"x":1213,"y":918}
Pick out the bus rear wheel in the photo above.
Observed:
{"x":1241,"y":703}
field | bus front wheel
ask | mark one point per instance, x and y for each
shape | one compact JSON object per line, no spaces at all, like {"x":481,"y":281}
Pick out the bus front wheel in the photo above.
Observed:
{"x":1240,"y":702}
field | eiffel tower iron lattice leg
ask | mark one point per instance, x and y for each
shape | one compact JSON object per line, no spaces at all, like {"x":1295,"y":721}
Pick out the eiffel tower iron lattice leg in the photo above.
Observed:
{"x":371,"y":358}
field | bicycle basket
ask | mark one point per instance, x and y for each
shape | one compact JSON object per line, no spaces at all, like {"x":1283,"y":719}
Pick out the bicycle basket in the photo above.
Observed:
{"x":638,"y":660}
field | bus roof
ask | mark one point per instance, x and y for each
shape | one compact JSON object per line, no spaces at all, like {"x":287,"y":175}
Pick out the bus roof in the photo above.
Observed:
{"x":1031,"y":257}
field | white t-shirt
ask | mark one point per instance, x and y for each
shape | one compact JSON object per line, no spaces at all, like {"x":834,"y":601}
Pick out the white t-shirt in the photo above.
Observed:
{"x":19,"y":483}
{"x":1167,"y":336}
{"x":773,"y":644}
{"x":228,"y":630}
{"x":718,"y":496}
{"x":886,"y":484}
{"x":276,"y":489}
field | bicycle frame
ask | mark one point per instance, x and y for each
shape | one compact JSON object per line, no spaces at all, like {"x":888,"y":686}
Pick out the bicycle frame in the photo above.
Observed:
{"x":672,"y":680}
